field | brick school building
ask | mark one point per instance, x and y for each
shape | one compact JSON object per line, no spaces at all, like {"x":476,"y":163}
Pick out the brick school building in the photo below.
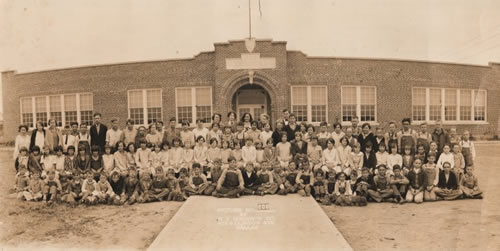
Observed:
{"x":314,"y":88}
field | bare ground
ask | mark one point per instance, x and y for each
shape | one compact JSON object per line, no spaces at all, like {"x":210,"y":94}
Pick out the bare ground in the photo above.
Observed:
{"x":455,"y":225}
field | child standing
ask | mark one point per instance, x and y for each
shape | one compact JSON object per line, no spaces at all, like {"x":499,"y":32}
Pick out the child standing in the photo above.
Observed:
{"x":212,"y":153}
{"x":381,"y":155}
{"x":283,"y":149}
{"x":330,"y":157}
{"x":369,"y":159}
{"x":120,"y":159}
{"x":344,"y":151}
{"x":260,"y":152}
{"x":248,"y":152}
{"x":394,"y":159}
{"x":421,"y":153}
{"x":424,"y":138}
{"x":270,"y":154}
{"x":323,"y":135}
{"x":225,"y":152}
{"x":186,"y":134}
{"x":187,"y":159}
{"x":237,"y":154}
{"x":337,"y":133}
{"x":314,"y":154}
{"x":175,"y":155}
{"x":266,"y":134}
{"x":155,"y":159}
{"x":468,"y":149}
{"x":446,"y":156}
{"x":416,"y":180}
{"x":200,"y":130}
{"x":108,"y":160}
{"x":142,"y":158}
{"x":407,"y":160}
{"x":355,"y":160}
{"x":200,"y":151}
{"x":96,"y":162}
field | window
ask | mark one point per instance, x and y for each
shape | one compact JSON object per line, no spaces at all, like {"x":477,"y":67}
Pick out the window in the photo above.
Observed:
{"x":309,"y":103}
{"x":41,"y":109}
{"x":86,"y":109}
{"x":27,"y":112}
{"x":193,"y":103}
{"x":70,"y":111}
{"x":418,"y":108}
{"x":360,"y":101}
{"x":65,"y":108}
{"x":145,"y":106}
{"x":480,"y":105}
{"x":299,"y":103}
{"x":55,"y":109}
{"x":449,"y":105}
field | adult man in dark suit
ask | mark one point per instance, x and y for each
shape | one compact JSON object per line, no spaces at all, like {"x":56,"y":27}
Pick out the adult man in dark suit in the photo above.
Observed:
{"x":98,"y":132}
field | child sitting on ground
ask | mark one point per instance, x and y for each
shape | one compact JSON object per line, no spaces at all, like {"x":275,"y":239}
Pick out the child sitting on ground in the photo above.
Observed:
{"x":363,"y":183}
{"x":197,"y":182}
{"x":105,"y":191}
{"x":90,"y":190}
{"x":22,"y":183}
{"x":381,"y":190}
{"x":175,"y":193}
{"x":159,"y":186}
{"x":470,"y":186}
{"x":305,"y":180}
{"x":398,"y":184}
{"x":265,"y":179}
{"x":416,"y":180}
{"x":145,"y":189}
{"x":35,"y":188}
{"x":51,"y":187}
{"x":343,"y":191}
{"x":319,"y":185}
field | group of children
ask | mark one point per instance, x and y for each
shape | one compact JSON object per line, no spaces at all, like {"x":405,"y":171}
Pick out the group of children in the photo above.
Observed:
{"x":340,"y":167}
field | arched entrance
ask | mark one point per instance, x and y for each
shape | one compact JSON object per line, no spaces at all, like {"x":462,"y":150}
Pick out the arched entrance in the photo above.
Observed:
{"x":251,"y":98}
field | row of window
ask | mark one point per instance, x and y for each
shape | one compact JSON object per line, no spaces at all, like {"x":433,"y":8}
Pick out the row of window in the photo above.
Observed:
{"x":64,"y":109}
{"x":308,"y":103}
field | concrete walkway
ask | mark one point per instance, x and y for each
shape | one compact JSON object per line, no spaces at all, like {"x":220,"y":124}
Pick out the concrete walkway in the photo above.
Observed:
{"x":252,"y":223}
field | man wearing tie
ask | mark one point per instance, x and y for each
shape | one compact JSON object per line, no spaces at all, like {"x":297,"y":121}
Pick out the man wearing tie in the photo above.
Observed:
{"x":98,"y":132}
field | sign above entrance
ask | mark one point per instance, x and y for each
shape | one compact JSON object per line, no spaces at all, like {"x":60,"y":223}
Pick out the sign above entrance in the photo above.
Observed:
{"x":250,"y":61}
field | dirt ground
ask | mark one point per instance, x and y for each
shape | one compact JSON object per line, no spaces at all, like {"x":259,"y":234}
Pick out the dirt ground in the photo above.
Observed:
{"x":455,"y":225}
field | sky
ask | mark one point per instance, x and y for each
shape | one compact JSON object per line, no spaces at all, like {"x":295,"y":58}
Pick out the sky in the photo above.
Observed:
{"x":40,"y":35}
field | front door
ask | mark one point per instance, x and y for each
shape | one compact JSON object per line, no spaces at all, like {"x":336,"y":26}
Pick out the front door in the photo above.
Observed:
{"x":254,"y":109}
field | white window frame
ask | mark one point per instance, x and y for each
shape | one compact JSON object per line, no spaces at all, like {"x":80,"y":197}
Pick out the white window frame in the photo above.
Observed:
{"x":358,"y":104}
{"x":309,"y":102}
{"x":193,"y":104}
{"x":144,"y":104}
{"x":47,"y":103}
{"x":457,"y":121}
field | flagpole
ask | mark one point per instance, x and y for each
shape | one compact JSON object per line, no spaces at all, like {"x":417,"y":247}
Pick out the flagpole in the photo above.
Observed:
{"x":249,"y":20}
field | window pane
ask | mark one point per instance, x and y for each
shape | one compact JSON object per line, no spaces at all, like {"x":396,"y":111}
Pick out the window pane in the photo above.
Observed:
{"x":203,"y":104}
{"x":465,"y":105}
{"x":450,"y":107}
{"x":41,"y":109}
{"x":349,"y":95}
{"x":135,"y":99}
{"x":418,"y":101}
{"x":70,"y":109}
{"x":86,"y":108}
{"x":367,"y":113}
{"x":86,"y":102}
{"x":184,"y":114}
{"x":153,"y":98}
{"x":480,"y":105}
{"x":299,"y":96}
{"x":435,"y":104}
{"x":71,"y":116}
{"x":203,"y":96}
{"x":55,"y":103}
{"x":137,"y":115}
{"x":27,"y":112}
{"x":300,"y":112}
{"x":154,"y":114}
{"x":183,"y":97}
{"x":367,"y":95}
{"x":348,"y":111}
{"x":204,"y":113}
{"x":318,"y":113}
{"x":318,"y":95}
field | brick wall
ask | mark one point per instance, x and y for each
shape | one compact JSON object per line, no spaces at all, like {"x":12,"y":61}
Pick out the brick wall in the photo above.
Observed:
{"x":392,"y":78}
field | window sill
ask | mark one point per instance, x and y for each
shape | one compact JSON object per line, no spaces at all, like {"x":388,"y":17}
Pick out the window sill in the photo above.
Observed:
{"x":348,"y":124}
{"x":452,"y":122}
